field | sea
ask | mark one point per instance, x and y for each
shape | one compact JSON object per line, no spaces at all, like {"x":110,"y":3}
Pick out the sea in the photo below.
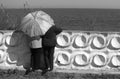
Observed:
{"x":77,"y":18}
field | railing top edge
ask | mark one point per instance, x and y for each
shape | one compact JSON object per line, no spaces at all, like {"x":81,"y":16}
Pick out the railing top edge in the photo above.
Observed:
{"x":91,"y":31}
{"x":79,"y":31}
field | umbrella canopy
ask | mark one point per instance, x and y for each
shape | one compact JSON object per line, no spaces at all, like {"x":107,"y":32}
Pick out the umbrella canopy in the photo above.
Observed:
{"x":36,"y":23}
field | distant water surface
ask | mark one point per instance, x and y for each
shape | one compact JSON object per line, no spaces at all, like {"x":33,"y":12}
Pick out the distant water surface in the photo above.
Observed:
{"x":80,"y":19}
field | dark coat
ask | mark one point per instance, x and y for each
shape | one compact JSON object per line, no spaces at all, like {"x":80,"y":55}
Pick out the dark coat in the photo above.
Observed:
{"x":49,"y":39}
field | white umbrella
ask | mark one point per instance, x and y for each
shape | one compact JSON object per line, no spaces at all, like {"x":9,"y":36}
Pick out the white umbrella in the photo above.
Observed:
{"x":36,"y":23}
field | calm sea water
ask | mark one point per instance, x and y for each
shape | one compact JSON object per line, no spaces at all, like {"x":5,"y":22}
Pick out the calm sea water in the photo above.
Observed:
{"x":80,"y":19}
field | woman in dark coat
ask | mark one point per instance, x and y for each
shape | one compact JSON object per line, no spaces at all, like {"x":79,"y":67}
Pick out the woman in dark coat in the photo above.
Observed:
{"x":49,"y":43}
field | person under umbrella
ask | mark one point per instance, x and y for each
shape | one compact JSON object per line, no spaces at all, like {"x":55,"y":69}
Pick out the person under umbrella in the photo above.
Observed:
{"x":36,"y":24}
{"x":49,"y":43}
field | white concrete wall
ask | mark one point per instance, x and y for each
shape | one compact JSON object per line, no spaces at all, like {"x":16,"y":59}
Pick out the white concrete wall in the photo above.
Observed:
{"x":94,"y":51}
{"x":75,"y":50}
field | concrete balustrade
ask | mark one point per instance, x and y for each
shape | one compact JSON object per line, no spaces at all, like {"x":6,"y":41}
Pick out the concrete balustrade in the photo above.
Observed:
{"x":74,"y":50}
{"x":92,"y":51}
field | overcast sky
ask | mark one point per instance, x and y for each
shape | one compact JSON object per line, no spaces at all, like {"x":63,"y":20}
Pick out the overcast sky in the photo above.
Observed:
{"x":114,"y":4}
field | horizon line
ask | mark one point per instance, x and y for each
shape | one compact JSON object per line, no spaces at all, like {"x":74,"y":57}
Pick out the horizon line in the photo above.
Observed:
{"x":60,"y":8}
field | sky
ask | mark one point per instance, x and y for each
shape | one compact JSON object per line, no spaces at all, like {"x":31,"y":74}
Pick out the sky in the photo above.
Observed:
{"x":112,"y":4}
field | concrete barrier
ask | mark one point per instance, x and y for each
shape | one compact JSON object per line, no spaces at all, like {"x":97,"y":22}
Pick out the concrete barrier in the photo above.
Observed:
{"x":75,"y":51}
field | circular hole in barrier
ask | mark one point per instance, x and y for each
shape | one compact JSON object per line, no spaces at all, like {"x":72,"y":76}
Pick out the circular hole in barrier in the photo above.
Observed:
{"x":62,"y":59}
{"x":115,"y":60}
{"x":115,"y":42}
{"x":98,"y":42}
{"x":9,"y":61}
{"x":99,"y":60}
{"x":80,"y":60}
{"x":11,"y":41}
{"x":8,"y":39}
{"x":80,"y":41}
{"x":63,"y":40}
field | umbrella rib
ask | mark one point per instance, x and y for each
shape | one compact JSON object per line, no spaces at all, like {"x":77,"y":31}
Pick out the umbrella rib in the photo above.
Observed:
{"x":35,"y":14}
